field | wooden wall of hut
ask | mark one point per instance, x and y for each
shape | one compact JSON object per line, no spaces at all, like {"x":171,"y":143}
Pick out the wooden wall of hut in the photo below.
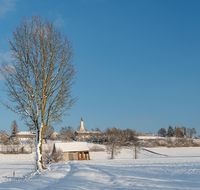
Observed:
{"x":76,"y":156}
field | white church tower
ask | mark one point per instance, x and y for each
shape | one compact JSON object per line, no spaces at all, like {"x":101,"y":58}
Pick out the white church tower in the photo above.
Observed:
{"x":82,"y":125}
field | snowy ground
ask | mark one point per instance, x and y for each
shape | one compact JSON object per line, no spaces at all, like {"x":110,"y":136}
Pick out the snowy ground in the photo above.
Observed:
{"x":180,"y":170}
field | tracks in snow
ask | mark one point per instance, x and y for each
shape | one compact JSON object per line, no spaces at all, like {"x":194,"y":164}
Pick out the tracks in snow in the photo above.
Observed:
{"x":154,"y":152}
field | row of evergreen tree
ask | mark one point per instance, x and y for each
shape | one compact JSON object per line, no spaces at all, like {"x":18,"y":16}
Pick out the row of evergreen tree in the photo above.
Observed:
{"x":178,"y":132}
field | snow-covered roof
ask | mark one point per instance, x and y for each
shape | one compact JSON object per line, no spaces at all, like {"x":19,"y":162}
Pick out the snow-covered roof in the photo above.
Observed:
{"x":72,"y":146}
{"x":55,"y":133}
{"x":26,"y":133}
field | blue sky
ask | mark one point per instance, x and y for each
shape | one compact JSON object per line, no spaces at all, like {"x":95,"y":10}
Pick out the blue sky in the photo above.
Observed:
{"x":137,"y":62}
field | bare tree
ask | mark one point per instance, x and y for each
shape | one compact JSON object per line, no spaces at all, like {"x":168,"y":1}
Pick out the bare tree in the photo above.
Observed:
{"x":194,"y":131}
{"x":128,"y":133}
{"x":136,"y":145}
{"x":191,"y":132}
{"x":184,"y":130}
{"x":179,"y":132}
{"x":132,"y":140}
{"x":67,"y":133}
{"x":40,"y":77}
{"x":114,"y":139}
{"x":162,"y":132}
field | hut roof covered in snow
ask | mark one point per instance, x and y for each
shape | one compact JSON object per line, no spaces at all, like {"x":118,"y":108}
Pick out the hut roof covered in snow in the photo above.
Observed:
{"x":72,"y":146}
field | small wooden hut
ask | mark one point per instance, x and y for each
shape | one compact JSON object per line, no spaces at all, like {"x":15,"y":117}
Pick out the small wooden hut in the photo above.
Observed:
{"x":74,"y":150}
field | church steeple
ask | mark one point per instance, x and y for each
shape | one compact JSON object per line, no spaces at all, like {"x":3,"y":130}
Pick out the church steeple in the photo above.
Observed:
{"x":82,"y":125}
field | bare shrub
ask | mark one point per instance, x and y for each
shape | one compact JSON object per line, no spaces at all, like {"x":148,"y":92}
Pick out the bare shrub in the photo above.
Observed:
{"x":14,"y":149}
{"x":52,"y":156}
{"x":47,"y":155}
{"x":194,"y":143}
{"x":58,"y":156}
{"x":97,"y":149}
{"x":197,"y":142}
{"x":31,"y":143}
{"x":171,"y":142}
{"x":182,"y":142}
{"x":162,"y":142}
{"x":22,"y":150}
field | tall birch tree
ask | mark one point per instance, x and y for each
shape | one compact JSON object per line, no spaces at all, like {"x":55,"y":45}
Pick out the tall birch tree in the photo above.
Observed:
{"x":39,"y":79}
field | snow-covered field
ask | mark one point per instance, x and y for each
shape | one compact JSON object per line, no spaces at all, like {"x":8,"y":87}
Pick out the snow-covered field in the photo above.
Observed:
{"x":180,"y":170}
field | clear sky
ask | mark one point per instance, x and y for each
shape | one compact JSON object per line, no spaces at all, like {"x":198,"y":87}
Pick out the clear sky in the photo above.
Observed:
{"x":137,"y":62}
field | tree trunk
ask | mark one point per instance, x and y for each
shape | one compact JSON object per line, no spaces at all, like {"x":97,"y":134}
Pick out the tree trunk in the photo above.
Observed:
{"x":135,"y":152}
{"x":38,"y":141}
{"x":112,"y":152}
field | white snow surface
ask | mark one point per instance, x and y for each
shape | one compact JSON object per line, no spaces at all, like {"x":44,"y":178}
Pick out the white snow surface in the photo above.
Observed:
{"x":180,"y":170}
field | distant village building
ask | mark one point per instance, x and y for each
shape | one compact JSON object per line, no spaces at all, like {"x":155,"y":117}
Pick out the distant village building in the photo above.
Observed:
{"x":73,"y":150}
{"x":82,"y":134}
{"x":54,"y":135}
{"x":25,"y":135}
{"x":4,"y":137}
